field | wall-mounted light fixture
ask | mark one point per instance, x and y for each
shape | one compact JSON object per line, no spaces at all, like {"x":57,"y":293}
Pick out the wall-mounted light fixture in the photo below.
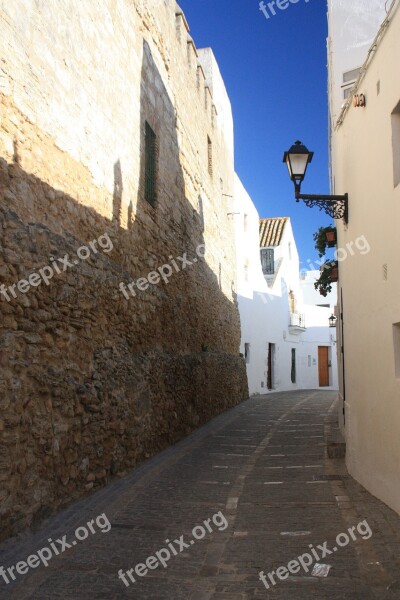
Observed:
{"x":297,"y":160}
{"x":332,"y":321}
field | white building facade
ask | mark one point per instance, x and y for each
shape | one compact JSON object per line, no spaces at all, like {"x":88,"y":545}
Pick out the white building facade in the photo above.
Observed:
{"x":288,"y":344}
{"x":365,"y":146}
{"x":352,"y":28}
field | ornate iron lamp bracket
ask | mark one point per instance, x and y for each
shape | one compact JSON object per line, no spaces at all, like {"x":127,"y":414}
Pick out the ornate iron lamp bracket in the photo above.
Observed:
{"x":335,"y":206}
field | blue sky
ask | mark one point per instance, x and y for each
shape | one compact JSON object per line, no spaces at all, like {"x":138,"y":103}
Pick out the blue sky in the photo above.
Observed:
{"x":275,"y":73}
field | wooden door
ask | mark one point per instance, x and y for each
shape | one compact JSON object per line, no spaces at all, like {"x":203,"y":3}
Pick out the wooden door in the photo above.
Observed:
{"x":323,"y":366}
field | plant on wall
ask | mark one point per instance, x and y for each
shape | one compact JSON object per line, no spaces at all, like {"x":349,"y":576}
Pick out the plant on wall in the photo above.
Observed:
{"x":324,"y":238}
{"x":328,"y":275}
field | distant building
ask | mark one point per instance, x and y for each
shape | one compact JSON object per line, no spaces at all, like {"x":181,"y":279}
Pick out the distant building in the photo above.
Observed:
{"x":312,"y":296}
{"x":365,"y":142}
{"x":287,"y":344}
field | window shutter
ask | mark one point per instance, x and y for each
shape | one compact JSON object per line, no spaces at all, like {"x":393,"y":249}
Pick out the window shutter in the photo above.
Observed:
{"x":150,"y":165}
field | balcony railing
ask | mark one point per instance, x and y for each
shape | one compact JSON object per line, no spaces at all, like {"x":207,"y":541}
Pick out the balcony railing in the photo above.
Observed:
{"x":297,"y":320}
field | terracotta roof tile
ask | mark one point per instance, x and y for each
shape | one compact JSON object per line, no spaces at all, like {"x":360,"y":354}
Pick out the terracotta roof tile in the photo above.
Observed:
{"x":271,"y":231}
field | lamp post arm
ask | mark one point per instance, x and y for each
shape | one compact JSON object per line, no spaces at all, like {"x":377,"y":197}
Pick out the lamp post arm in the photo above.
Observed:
{"x":333,"y":198}
{"x":336,"y":206}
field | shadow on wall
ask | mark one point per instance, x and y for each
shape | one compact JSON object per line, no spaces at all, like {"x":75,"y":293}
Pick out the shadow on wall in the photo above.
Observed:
{"x":92,"y":383}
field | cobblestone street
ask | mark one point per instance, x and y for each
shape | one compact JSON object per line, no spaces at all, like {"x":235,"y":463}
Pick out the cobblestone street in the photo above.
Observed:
{"x":264,"y":466}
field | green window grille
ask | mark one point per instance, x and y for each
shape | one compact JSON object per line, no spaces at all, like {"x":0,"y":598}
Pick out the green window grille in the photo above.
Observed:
{"x":268,"y":261}
{"x":150,"y":165}
{"x":293,"y":370}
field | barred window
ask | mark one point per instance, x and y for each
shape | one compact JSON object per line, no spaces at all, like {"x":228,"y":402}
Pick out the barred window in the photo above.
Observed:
{"x":150,"y":165}
{"x":293,"y":369}
{"x":267,"y":261}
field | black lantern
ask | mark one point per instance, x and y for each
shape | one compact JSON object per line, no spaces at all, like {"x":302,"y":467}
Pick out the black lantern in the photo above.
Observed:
{"x":332,"y":321}
{"x":297,"y":160}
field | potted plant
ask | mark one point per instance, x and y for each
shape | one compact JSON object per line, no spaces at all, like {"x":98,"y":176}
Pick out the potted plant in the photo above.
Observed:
{"x":324,"y":238}
{"x":330,"y":234}
{"x":329,"y":273}
{"x":334,"y":271}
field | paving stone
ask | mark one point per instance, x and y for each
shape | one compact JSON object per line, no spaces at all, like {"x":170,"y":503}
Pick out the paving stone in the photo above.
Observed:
{"x":268,"y":525}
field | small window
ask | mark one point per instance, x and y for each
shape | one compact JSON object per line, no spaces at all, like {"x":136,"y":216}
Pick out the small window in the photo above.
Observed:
{"x":396,"y":144}
{"x":210,"y":156}
{"x":346,"y":92}
{"x":245,"y":223}
{"x":349,"y":79}
{"x":351,"y":76}
{"x":268,"y":261}
{"x":247,"y":353}
{"x":150,"y":165}
{"x":293,"y":370}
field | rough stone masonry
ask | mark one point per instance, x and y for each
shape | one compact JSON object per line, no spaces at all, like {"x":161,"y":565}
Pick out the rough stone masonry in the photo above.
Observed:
{"x":91,"y":382}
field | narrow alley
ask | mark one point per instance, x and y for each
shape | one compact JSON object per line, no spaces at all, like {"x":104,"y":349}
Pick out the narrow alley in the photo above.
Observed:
{"x":259,"y":476}
{"x":199,"y":300}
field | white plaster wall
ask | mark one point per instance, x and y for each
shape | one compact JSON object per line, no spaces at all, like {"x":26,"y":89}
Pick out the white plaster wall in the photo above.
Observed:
{"x":370,"y":283}
{"x":257,"y":322}
{"x":265,"y":312}
{"x":352,"y":28}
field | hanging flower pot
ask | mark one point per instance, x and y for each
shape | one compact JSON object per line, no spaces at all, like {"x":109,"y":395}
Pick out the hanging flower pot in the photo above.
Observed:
{"x":334,"y":272}
{"x":330,"y":234}
{"x":329,"y":273}
{"x":324,"y":238}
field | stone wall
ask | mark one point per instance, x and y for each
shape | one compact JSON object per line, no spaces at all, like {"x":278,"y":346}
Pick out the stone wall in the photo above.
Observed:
{"x":91,"y":382}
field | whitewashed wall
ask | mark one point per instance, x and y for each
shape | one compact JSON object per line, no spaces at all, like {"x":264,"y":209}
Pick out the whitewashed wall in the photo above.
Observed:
{"x":264,"y":311}
{"x":352,"y":28}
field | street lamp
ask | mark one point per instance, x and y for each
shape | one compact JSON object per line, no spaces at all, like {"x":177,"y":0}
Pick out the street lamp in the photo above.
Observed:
{"x":332,"y":321}
{"x":297,"y":160}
